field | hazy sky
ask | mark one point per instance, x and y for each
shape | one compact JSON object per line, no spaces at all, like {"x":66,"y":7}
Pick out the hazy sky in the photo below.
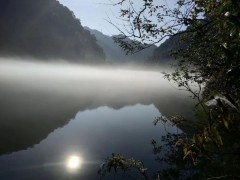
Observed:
{"x":93,"y":13}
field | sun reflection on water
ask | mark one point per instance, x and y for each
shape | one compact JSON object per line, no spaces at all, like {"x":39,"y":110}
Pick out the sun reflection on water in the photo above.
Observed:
{"x":73,"y":162}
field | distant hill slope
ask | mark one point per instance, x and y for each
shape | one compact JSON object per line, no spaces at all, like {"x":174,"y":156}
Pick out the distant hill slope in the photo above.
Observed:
{"x":162,"y":55}
{"x":115,"y":54}
{"x":45,"y":29}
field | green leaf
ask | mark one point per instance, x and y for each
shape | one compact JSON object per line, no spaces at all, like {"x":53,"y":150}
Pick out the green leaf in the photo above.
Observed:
{"x":225,"y":122}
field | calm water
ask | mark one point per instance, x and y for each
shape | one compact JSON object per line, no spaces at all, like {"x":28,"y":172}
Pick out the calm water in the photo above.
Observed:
{"x":51,"y":112}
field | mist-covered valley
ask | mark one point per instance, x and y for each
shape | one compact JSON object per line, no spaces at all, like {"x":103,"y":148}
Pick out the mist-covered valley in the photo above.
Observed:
{"x":119,"y":90}
{"x":38,"y":98}
{"x":111,"y":86}
{"x":70,"y":96}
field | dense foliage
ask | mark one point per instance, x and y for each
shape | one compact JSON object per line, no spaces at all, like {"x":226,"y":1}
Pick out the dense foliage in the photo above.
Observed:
{"x":45,"y":29}
{"x":208,"y":67}
{"x":163,"y":54}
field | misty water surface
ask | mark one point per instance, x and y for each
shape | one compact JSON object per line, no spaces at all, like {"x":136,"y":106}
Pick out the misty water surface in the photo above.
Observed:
{"x":50,"y":111}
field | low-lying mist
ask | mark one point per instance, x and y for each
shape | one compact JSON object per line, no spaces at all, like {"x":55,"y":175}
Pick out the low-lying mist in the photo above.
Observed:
{"x":37,"y":97}
{"x":92,"y":85}
{"x":79,"y":79}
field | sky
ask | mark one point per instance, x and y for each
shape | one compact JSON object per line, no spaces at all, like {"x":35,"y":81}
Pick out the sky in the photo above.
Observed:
{"x":94,"y":13}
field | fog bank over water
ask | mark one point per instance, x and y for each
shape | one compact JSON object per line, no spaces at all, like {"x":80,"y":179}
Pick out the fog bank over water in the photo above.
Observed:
{"x":36,"y":97}
{"x":101,"y":85}
{"x":67,"y":78}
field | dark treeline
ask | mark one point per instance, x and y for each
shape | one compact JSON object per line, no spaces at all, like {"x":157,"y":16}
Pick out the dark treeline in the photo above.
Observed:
{"x":164,"y":53}
{"x":45,"y":29}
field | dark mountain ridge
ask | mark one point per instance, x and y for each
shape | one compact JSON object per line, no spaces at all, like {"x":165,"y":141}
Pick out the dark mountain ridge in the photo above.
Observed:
{"x":163,"y":55}
{"x":45,"y":29}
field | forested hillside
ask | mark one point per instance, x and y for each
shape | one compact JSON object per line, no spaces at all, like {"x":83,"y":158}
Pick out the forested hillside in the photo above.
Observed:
{"x":163,"y":54}
{"x":45,"y":29}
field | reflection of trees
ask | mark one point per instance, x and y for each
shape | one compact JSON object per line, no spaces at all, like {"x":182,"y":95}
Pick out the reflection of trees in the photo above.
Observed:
{"x":179,"y":158}
{"x":168,"y":154}
{"x":28,"y":114}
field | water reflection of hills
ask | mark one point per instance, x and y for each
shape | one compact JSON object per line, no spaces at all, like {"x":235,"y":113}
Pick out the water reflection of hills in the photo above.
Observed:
{"x":30,"y":111}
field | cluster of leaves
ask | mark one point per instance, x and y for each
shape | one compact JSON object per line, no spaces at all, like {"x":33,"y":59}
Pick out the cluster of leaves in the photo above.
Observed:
{"x":119,"y":163}
{"x":169,"y":154}
{"x":203,"y":159}
{"x":208,"y":67}
{"x":219,"y":138}
{"x":154,"y":21}
{"x":212,"y":61}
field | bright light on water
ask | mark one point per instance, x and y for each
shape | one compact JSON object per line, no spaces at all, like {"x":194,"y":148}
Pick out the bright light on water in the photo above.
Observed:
{"x":74,"y":162}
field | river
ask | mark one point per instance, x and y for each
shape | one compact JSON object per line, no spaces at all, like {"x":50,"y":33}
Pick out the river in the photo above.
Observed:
{"x":61,"y":121}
